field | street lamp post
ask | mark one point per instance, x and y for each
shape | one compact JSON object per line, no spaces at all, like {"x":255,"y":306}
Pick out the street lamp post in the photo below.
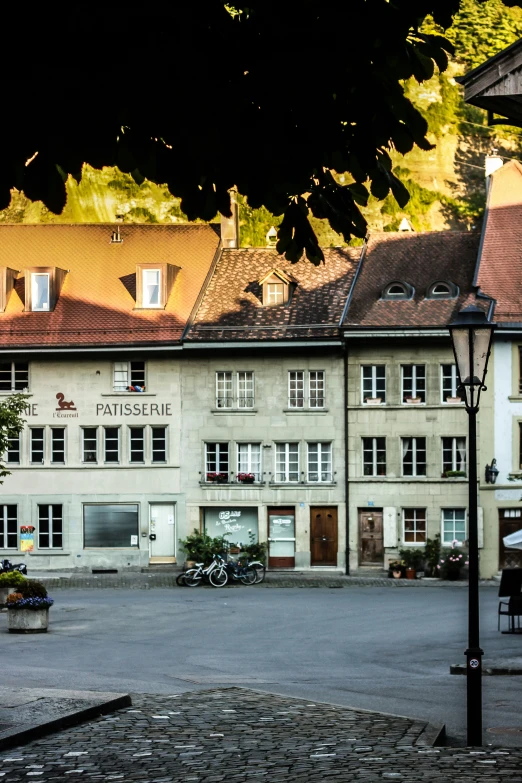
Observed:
{"x":471,"y":337}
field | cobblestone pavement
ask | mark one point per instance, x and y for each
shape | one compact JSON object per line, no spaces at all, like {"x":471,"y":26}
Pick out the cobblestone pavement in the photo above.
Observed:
{"x":149,"y":580}
{"x":236,"y":734}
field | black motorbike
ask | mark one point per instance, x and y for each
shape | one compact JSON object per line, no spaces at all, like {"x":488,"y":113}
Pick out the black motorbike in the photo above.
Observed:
{"x":6,"y":566}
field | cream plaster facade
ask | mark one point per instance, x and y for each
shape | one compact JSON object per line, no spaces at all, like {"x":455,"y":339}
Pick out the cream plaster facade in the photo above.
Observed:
{"x":271,"y":421}
{"x":87,"y":382}
{"x":395,"y":420}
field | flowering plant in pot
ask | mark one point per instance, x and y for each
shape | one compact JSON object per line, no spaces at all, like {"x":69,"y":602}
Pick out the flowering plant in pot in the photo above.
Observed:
{"x":396,"y":569}
{"x":8,"y":582}
{"x":221,"y":478}
{"x":246,"y":478}
{"x":412,"y":557}
{"x":28,"y":608}
{"x":451,"y":562}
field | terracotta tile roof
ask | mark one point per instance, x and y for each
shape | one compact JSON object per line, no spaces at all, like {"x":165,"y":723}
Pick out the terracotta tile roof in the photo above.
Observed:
{"x":232,"y":309}
{"x":500,"y":264}
{"x":95,"y":306}
{"x":419,"y":260}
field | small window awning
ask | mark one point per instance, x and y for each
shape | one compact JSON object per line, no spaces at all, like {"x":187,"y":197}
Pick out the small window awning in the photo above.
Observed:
{"x":514,"y":540}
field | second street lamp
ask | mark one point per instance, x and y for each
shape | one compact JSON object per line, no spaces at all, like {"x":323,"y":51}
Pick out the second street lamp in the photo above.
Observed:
{"x":471,"y":337}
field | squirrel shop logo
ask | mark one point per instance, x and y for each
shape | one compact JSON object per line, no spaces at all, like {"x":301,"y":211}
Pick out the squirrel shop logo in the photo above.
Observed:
{"x":64,"y":408}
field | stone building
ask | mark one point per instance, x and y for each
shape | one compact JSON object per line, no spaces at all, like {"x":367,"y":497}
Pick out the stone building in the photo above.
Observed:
{"x":91,"y":318}
{"x":407,"y":427}
{"x":263,"y":394}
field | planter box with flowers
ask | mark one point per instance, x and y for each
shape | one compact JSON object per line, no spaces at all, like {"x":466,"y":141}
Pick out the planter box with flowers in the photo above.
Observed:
{"x":246,"y":478}
{"x":217,"y":478}
{"x":9,"y":582}
{"x":451,"y":562}
{"x":28,"y":608}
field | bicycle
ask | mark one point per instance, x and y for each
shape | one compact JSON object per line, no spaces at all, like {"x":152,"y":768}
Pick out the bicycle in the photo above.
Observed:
{"x":215,"y":573}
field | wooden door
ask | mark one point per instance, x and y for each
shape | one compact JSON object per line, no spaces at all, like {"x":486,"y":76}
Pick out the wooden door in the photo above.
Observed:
{"x":509,"y":523}
{"x":323,"y":536}
{"x":371,"y":549}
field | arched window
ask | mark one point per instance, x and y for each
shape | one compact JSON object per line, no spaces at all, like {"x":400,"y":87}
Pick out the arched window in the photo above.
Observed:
{"x":397,"y":290}
{"x":442,"y":290}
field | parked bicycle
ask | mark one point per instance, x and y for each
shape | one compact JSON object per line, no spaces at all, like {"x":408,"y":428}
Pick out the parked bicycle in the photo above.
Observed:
{"x":215,"y":573}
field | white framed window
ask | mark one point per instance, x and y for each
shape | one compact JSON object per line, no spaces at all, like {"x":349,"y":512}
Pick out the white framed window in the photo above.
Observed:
{"x":373,"y":382}
{"x":320,"y":462}
{"x":414,"y":525}
{"x":217,"y":458}
{"x":453,"y":525}
{"x":244,"y":390}
{"x":8,"y":527}
{"x":37,"y":444}
{"x":111,"y":444}
{"x":249,"y":459}
{"x":287,"y":462}
{"x":413,"y":382}
{"x":129,"y":376}
{"x":296,"y":389}
{"x":13,"y":451}
{"x":413,"y":456}
{"x":90,"y":444}
{"x":151,"y":280}
{"x":449,"y":381}
{"x":275,"y":293}
{"x":453,"y":454}
{"x":40,"y":291}
{"x":14,"y":376}
{"x":316,"y":390}
{"x":50,"y":526}
{"x":374,"y":456}
{"x":58,"y":445}
{"x":136,"y":444}
{"x":159,"y":444}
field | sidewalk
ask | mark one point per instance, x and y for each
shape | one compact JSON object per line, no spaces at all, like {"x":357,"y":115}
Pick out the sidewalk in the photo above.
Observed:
{"x":242,"y":735}
{"x":151,"y":579}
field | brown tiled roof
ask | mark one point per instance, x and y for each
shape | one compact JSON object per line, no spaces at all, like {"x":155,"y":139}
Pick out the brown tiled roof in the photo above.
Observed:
{"x":232,"y":309}
{"x":95,"y":306}
{"x":419,"y":260}
{"x":500,"y":270}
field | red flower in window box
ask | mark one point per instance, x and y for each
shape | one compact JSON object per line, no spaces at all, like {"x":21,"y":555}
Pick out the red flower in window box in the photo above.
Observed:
{"x":221,"y":478}
{"x":246,"y":478}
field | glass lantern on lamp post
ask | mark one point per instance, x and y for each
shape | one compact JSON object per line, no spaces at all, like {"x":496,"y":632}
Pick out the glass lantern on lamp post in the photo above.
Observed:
{"x":471,"y":336}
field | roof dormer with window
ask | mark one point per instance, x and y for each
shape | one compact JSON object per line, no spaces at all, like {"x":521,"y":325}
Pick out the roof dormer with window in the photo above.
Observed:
{"x":398,"y":290}
{"x":7,"y":281}
{"x":42,"y":287}
{"x":442,"y":289}
{"x":277,"y":287}
{"x":154,"y":283}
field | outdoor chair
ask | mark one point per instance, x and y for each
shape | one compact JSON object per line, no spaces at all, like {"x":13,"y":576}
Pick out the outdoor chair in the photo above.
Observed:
{"x":511,"y":588}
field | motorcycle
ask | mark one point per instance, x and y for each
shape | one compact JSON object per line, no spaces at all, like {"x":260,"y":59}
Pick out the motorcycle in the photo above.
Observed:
{"x":6,"y":566}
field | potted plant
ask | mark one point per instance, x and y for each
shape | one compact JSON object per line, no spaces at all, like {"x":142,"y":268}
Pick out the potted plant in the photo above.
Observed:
{"x":255,"y":550}
{"x":451,"y":562}
{"x":246,"y":478}
{"x":413,"y":400}
{"x":453,"y":400}
{"x":432,"y":556}
{"x":396,"y":569}
{"x":373,"y":400}
{"x":219,"y":478}
{"x":8,"y":583}
{"x":200,"y":548}
{"x":412,"y":557}
{"x":28,"y":608}
{"x":455,"y":474}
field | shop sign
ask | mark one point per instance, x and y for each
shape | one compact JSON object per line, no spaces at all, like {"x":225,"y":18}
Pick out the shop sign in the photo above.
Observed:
{"x":235,"y":523}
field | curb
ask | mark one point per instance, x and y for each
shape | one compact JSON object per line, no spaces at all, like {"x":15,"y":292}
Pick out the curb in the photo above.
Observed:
{"x":29,"y":733}
{"x":432,"y":736}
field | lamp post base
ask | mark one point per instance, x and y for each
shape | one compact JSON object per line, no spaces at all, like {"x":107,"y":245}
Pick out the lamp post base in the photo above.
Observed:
{"x":474,"y":695}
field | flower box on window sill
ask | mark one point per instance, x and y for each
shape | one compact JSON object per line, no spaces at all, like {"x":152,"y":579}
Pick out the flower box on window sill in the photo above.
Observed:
{"x":218,"y":478}
{"x":246,"y":478}
{"x":453,"y":400}
{"x":373,"y":400}
{"x":413,"y":400}
{"x":454,"y":474}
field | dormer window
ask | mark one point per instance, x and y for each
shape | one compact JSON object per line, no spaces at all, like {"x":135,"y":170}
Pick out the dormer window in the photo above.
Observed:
{"x":7,"y":281}
{"x":42,"y":288}
{"x":153,"y":285}
{"x":277,"y":287}
{"x":442,"y":290}
{"x":398,"y":290}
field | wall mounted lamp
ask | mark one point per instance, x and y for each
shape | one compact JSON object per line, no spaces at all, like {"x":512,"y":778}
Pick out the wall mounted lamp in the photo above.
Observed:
{"x":492,"y":472}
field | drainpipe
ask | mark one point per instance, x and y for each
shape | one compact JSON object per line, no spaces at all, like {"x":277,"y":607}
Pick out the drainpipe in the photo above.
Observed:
{"x":347,"y":486}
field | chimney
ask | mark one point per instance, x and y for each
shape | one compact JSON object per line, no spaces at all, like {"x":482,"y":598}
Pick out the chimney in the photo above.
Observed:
{"x":230,"y":225}
{"x":492,"y":163}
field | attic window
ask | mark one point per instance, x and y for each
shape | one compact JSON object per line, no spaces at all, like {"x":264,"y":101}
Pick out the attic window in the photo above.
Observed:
{"x":397,"y":290}
{"x":442,"y":290}
{"x":40,"y":291}
{"x":275,"y":293}
{"x":42,"y":288}
{"x":277,"y":287}
{"x":154,"y":283}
